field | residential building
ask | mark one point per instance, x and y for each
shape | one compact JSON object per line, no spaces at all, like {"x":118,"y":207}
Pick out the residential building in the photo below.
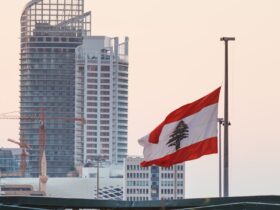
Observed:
{"x":50,"y":32}
{"x":102,"y":99}
{"x":153,"y":183}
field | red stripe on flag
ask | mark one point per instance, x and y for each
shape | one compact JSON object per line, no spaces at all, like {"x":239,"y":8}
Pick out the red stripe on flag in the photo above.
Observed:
{"x":194,"y":151}
{"x":185,"y":111}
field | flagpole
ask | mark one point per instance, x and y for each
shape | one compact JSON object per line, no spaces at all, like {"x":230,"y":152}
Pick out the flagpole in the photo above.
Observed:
{"x":226,"y":121}
{"x":220,"y":121}
{"x":175,"y":182}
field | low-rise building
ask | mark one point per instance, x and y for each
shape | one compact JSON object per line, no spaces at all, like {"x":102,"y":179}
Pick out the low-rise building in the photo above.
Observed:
{"x":153,"y":183}
{"x":19,"y":189}
{"x":109,"y":184}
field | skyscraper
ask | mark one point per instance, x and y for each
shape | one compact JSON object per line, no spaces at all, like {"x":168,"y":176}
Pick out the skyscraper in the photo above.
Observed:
{"x":102,"y":99}
{"x":50,"y":32}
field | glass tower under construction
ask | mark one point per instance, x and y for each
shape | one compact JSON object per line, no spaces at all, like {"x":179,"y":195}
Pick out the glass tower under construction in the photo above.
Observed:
{"x":50,"y":32}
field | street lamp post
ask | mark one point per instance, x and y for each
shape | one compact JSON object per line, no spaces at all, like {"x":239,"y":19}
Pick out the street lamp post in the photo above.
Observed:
{"x":98,"y":159}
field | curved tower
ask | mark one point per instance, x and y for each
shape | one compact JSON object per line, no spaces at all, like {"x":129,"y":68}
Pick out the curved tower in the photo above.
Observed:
{"x":50,"y":32}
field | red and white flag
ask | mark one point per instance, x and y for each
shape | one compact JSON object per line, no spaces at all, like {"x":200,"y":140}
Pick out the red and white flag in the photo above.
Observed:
{"x":187,"y":133}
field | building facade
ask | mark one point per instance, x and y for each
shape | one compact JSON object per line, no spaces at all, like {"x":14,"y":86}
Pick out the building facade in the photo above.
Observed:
{"x":9,"y":161}
{"x":102,"y":99}
{"x":110,"y":188}
{"x":152,"y":183}
{"x":50,"y":32}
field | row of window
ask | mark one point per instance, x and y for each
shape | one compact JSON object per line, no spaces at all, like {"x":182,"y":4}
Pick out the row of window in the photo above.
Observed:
{"x":168,"y":183}
{"x":102,"y":151}
{"x":102,"y":116}
{"x":123,"y":74}
{"x":136,"y":167}
{"x":51,"y":96}
{"x":138,"y":198}
{"x":95,"y":133}
{"x":123,"y":80}
{"x":54,"y":39}
{"x":137,"y":191}
{"x":171,"y":168}
{"x":69,"y":57}
{"x":48,"y":50}
{"x":96,"y":80}
{"x":102,"y":122}
{"x":92,"y":157}
{"x":171,"y":191}
{"x":95,"y":139}
{"x":137,"y":183}
{"x":95,"y":110}
{"x":171,"y":175}
{"x":95,"y":127}
{"x":96,"y":75}
{"x":137,"y":175}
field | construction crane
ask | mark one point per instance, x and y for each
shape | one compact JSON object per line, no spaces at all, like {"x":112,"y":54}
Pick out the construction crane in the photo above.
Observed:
{"x":43,"y":178}
{"x":24,"y":153}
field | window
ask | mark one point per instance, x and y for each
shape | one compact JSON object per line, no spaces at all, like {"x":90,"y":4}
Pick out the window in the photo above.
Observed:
{"x":103,"y":92}
{"x":105,"y":104}
{"x":105,"y":75}
{"x":92,"y":86}
{"x":105,"y":110}
{"x":93,"y":98}
{"x":92,"y":74}
{"x":105,"y":80}
{"x":104,"y":98}
{"x":104,"y":134}
{"x":105,"y":68}
{"x":105,"y":116}
{"x":91,"y":92}
{"x":105,"y":86}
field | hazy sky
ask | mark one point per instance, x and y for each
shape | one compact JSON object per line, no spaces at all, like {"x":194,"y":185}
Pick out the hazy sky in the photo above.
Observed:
{"x":176,"y":57}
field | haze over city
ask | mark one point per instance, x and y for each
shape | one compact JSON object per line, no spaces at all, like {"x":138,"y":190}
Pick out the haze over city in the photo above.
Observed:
{"x":175,"y":57}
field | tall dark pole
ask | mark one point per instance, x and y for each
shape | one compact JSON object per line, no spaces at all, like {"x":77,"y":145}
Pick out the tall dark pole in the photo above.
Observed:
{"x":175,"y":182}
{"x":220,"y":121}
{"x":226,"y":121}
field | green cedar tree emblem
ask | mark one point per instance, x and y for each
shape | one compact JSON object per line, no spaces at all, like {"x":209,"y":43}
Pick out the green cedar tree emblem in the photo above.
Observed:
{"x":181,"y":132}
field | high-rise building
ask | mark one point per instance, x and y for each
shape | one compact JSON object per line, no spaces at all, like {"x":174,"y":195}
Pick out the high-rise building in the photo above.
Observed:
{"x":9,"y":160}
{"x":153,"y":182}
{"x":50,"y":32}
{"x":102,"y":99}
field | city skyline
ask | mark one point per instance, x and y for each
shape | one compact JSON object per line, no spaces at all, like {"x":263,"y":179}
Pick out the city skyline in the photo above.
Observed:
{"x":176,"y":46}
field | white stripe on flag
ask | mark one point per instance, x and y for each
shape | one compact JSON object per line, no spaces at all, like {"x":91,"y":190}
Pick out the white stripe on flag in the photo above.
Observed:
{"x":202,"y":125}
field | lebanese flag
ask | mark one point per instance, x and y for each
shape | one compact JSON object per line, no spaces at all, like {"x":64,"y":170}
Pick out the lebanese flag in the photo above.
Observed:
{"x":187,"y":133}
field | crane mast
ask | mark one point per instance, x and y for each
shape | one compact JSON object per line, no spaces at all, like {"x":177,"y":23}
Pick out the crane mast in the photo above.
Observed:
{"x":43,"y":178}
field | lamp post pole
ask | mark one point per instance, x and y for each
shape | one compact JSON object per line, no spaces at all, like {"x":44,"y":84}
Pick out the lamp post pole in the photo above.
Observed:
{"x":98,"y":159}
{"x":226,"y":120}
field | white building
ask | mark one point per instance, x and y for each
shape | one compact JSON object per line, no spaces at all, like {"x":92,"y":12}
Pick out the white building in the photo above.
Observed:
{"x":152,"y":183}
{"x":110,"y":185}
{"x":102,"y":99}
